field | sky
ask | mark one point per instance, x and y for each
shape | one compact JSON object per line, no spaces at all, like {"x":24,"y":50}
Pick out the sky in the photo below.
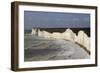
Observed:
{"x":39,"y":19}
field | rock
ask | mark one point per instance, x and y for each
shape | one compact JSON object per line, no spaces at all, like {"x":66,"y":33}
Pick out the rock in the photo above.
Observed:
{"x":69,"y":35}
{"x":40,"y":33}
{"x":56,"y":35}
{"x":87,"y":42}
{"x":83,"y":39}
{"x":80,"y":37}
{"x":46,"y":34}
{"x":33,"y":32}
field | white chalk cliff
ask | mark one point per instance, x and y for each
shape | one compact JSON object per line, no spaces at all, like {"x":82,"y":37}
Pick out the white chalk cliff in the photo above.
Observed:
{"x":81,"y":38}
{"x":33,"y":32}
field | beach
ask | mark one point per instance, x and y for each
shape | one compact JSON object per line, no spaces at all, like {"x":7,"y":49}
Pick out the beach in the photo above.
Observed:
{"x":43,"y":49}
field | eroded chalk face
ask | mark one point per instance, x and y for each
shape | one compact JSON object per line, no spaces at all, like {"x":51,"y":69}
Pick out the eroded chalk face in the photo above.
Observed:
{"x":80,"y":38}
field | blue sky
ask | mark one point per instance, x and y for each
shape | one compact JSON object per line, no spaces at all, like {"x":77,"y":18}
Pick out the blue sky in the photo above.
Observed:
{"x":55,"y":20}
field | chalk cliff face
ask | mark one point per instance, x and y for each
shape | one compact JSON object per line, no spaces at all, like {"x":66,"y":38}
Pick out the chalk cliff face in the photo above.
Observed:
{"x":33,"y":32}
{"x":46,"y":34}
{"x":69,"y":35}
{"x":81,"y":38}
{"x":56,"y":35}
